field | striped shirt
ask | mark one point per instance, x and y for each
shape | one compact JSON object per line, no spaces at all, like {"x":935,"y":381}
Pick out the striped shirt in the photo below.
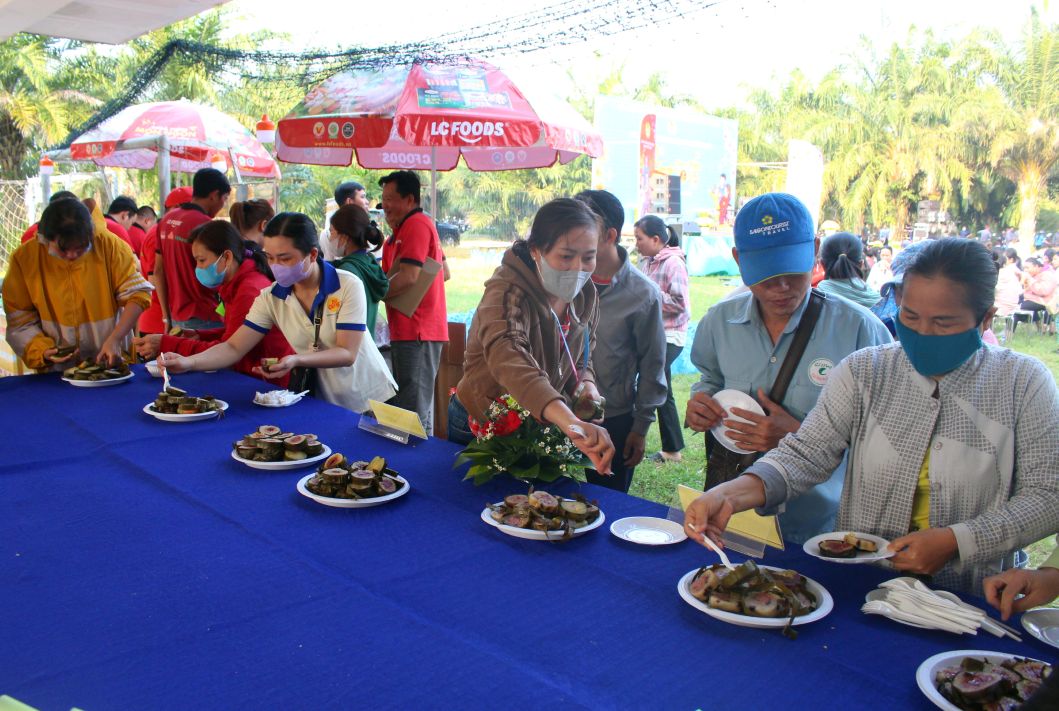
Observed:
{"x":993,"y":434}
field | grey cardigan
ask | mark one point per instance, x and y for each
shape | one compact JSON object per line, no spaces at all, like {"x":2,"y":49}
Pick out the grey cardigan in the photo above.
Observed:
{"x":993,"y":437}
{"x":629,"y":355}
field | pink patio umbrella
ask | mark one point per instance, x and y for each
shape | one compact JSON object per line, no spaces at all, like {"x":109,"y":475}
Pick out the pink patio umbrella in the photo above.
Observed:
{"x":198,"y":137}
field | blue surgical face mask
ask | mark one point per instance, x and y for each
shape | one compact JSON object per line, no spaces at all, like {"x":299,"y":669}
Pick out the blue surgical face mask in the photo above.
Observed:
{"x":937,"y":355}
{"x":561,"y":284}
{"x":210,"y":277}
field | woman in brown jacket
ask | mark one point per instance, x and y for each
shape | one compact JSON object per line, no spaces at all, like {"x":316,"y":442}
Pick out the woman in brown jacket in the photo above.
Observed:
{"x":533,"y":332}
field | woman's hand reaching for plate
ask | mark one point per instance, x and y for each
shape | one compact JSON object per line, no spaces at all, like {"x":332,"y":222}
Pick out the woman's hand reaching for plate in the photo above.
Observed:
{"x":594,"y":442}
{"x":710,"y":513}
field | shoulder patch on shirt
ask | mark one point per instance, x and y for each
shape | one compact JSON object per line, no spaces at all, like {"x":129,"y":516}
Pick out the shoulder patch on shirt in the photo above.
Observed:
{"x":819,"y":369}
{"x":333,"y":305}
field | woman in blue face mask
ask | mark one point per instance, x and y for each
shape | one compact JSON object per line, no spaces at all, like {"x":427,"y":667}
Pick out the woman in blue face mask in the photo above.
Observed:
{"x":238,"y":270}
{"x":319,"y":310}
{"x":952,"y":444}
{"x":532,"y":333}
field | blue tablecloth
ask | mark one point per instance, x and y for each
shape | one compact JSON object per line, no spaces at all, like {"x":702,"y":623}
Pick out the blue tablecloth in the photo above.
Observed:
{"x":142,"y":568}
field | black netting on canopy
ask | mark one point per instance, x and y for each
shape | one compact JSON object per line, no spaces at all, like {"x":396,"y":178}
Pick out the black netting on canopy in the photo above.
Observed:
{"x":548,"y":27}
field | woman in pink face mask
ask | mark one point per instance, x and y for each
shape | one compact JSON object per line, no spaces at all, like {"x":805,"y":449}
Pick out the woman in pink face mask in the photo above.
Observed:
{"x":321,"y":312}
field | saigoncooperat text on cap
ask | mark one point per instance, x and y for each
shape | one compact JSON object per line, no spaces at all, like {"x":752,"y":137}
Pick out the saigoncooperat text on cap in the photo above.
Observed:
{"x":774,"y":235}
{"x":178,"y":196}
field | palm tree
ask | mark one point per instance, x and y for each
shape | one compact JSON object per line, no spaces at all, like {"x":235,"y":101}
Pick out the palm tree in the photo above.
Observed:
{"x":888,"y":137}
{"x":34,"y":109}
{"x":1015,"y":116}
{"x":503,"y":203}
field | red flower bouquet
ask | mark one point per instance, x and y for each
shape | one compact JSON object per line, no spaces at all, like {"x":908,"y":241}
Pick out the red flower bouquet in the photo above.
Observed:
{"x":512,"y":441}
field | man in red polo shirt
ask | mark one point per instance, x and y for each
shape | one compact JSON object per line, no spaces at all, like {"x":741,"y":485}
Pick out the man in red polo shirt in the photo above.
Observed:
{"x":119,"y":217}
{"x":151,"y":319}
{"x":415,"y":343}
{"x":145,"y":219}
{"x":185,"y":302}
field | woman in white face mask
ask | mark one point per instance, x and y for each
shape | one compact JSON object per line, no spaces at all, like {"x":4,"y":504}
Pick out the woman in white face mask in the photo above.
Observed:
{"x":533,"y":332}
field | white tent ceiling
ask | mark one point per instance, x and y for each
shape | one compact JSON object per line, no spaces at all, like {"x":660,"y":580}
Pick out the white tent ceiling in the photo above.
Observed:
{"x":107,"y":21}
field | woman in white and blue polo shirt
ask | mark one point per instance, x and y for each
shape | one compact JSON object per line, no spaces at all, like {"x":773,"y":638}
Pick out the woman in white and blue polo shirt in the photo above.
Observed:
{"x":350,"y":370}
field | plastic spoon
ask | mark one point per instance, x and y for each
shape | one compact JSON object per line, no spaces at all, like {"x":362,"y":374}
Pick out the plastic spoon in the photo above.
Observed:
{"x":165,"y":373}
{"x":911,"y":606}
{"x":907,"y":606}
{"x":942,"y":598}
{"x":883,"y":610}
{"x":887,"y":610}
{"x":882,"y":607}
{"x":706,"y":541}
{"x":988,"y":623}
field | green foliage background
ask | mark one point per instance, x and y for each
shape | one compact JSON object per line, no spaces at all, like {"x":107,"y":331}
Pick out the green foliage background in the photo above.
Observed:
{"x":973,"y":123}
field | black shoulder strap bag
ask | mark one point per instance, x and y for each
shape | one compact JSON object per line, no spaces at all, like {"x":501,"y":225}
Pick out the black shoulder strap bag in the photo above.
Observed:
{"x":722,"y":463}
{"x":306,"y":378}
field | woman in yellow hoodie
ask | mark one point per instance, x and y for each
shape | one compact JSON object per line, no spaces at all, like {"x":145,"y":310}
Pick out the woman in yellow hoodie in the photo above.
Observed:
{"x":75,"y":285}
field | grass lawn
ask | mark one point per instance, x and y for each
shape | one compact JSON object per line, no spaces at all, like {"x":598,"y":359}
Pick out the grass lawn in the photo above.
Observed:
{"x":658,"y":482}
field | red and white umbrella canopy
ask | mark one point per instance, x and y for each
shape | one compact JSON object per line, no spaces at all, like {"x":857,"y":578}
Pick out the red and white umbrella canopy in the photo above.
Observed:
{"x":427,"y":115}
{"x":196,"y":135}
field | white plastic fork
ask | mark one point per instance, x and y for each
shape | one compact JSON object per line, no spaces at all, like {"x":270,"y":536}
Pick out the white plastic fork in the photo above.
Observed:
{"x":708,"y":542}
{"x":165,"y":374}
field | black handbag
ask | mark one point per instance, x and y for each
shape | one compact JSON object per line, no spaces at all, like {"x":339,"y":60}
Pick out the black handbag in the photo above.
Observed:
{"x":722,"y":463}
{"x":305,"y":378}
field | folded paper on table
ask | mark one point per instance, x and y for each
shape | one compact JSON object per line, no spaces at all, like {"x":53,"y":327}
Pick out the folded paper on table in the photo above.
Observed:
{"x":398,"y":418}
{"x":408,"y":302}
{"x":747,"y":524}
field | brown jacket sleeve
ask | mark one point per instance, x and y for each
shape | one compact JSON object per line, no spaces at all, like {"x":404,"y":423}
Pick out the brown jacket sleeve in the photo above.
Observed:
{"x":506,"y":329}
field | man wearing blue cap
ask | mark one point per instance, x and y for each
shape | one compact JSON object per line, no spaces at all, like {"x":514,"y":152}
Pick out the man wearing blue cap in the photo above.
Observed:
{"x":743,"y":344}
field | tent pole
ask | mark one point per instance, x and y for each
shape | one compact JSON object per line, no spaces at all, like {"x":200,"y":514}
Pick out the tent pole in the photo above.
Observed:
{"x":163,"y":171}
{"x":434,"y":182}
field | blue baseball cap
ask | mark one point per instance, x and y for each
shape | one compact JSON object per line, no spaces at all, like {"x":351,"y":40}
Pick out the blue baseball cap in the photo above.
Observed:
{"x":774,"y":235}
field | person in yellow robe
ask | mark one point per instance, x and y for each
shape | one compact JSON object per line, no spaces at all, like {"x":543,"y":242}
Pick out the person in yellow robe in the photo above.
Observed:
{"x":75,"y":285}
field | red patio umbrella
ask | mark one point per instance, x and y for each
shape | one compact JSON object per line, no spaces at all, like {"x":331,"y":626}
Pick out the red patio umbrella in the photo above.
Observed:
{"x":427,"y":115}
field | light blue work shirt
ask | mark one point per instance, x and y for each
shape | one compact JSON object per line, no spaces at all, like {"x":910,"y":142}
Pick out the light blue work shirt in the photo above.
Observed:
{"x":733,"y":350}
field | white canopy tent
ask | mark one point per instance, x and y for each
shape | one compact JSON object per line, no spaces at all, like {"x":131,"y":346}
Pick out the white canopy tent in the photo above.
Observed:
{"x":110,"y":22}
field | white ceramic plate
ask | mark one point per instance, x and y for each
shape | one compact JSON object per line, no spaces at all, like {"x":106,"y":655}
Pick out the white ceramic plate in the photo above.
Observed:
{"x":532,"y":535}
{"x":351,"y":503}
{"x":290,"y":402}
{"x":284,"y":465}
{"x":926,"y":671}
{"x":99,"y":383}
{"x":823,"y":607}
{"x":812,"y":547}
{"x":165,"y":417}
{"x":729,"y":399}
{"x":153,"y":369}
{"x":1043,"y":623}
{"x":648,"y":530}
